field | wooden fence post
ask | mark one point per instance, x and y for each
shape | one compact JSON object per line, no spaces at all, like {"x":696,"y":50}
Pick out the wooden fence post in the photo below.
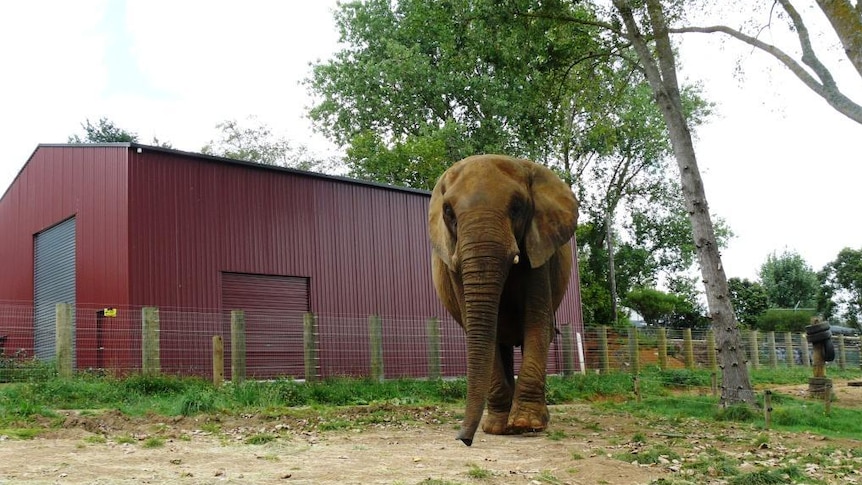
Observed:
{"x":688,"y":345}
{"x":842,"y":353}
{"x":375,"y":333}
{"x":151,"y":362}
{"x":434,"y":370}
{"x":218,"y":360}
{"x":755,"y":350}
{"x":710,"y":351}
{"x":568,"y":349}
{"x":789,"y":356}
{"x":64,"y":339}
{"x":309,"y":344}
{"x":770,"y":344}
{"x":803,"y":346}
{"x":604,"y":360}
{"x":662,"y":348}
{"x":634,"y":353}
{"x":237,"y":347}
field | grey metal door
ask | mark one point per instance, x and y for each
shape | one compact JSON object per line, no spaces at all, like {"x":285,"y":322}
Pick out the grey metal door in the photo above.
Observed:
{"x":54,"y":282}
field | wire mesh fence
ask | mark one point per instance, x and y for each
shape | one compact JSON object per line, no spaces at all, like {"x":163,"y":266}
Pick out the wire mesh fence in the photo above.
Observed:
{"x":270,"y":345}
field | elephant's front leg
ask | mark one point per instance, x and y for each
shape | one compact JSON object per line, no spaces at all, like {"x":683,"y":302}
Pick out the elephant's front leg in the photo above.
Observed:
{"x":500,"y":396}
{"x":529,"y":409}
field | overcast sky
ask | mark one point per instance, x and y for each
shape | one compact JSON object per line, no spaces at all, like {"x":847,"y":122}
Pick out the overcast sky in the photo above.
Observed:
{"x":779,"y":164}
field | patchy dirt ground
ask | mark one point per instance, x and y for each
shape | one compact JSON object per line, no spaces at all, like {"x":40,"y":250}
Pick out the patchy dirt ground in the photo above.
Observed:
{"x":390,"y":444}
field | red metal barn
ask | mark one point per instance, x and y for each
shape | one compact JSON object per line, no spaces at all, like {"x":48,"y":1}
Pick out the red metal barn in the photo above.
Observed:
{"x":129,"y":226}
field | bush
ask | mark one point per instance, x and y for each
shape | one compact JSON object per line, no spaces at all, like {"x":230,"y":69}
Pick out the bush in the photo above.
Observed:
{"x":20,"y":368}
{"x":784,"y":319}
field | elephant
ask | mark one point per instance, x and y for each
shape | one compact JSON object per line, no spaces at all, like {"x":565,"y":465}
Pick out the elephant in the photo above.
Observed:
{"x":501,"y":258}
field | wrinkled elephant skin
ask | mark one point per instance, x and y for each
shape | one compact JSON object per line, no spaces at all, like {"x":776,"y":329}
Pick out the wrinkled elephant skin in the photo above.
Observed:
{"x":500,"y":230}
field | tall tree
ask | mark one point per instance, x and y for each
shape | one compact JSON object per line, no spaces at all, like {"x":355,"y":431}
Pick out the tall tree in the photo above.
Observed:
{"x":842,"y":286}
{"x":254,"y":141}
{"x":789,"y":281}
{"x":423,"y":80}
{"x":421,"y":84}
{"x":655,"y":54}
{"x":749,"y":299}
{"x":846,"y":20}
{"x":103,"y":131}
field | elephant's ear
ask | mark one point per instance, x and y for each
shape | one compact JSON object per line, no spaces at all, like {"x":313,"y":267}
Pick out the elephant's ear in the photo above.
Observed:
{"x":555,"y":215}
{"x":441,"y":241}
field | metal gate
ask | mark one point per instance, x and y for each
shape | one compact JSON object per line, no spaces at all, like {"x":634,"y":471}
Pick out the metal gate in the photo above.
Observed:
{"x":54,"y":282}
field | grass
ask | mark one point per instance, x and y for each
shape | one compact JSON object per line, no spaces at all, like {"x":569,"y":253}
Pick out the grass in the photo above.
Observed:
{"x":677,"y":405}
{"x":260,"y":439}
{"x":650,"y":456}
{"x":136,"y":395}
{"x":478,"y":472}
{"x":714,"y":462}
{"x":154,"y":442}
{"x":788,"y":474}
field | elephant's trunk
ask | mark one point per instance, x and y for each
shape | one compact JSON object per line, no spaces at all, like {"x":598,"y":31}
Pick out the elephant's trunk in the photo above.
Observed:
{"x":483,"y":278}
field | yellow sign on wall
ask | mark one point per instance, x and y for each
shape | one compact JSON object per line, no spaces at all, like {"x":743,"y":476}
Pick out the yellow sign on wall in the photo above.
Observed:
{"x":110,"y":312}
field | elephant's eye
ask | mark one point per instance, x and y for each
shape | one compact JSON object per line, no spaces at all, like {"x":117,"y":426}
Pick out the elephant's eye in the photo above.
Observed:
{"x":516,"y":208}
{"x":449,"y":217}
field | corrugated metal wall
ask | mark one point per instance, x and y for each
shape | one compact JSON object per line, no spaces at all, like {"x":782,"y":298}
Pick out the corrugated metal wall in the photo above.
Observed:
{"x":54,"y":281}
{"x":364,"y":248}
{"x":58,"y":182}
{"x":159,"y":227}
{"x":273,"y":310}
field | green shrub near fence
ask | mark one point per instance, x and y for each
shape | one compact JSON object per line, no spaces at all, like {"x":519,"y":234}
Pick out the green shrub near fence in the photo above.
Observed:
{"x":784,"y":320}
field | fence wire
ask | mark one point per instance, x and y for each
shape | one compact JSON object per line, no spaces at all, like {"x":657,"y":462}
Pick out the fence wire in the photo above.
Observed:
{"x":271,"y":345}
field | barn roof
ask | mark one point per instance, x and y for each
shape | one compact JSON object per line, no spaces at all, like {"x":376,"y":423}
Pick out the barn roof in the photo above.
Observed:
{"x":230,"y":161}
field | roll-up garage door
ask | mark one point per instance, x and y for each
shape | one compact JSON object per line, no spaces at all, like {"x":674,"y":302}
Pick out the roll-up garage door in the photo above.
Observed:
{"x":274,"y":307}
{"x":54,"y":282}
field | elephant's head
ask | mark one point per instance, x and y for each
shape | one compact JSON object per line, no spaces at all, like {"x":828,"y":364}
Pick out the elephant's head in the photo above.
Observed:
{"x":488,"y":213}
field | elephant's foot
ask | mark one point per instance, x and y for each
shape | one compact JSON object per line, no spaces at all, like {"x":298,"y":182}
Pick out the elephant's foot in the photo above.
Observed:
{"x":496,"y":422}
{"x":526,"y":417}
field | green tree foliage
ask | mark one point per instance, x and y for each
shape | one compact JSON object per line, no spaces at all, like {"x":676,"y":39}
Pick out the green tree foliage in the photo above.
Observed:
{"x":784,"y":320}
{"x":103,"y":131}
{"x":415,"y":162}
{"x":841,"y":288}
{"x":789,"y":281}
{"x":655,"y":243}
{"x":654,"y":305}
{"x":749,"y":298}
{"x":419,"y":85}
{"x":476,"y":77}
{"x":665,"y":309}
{"x":254,"y":141}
